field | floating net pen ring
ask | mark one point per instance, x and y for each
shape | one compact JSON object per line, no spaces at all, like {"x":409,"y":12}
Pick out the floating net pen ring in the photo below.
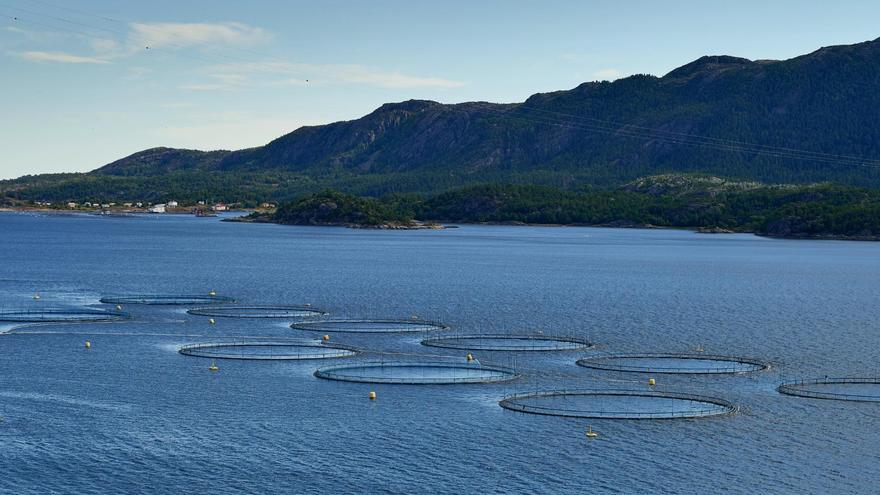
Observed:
{"x":267,"y":350}
{"x":856,"y":389}
{"x":617,"y":404}
{"x":61,"y":315}
{"x":680,"y":363}
{"x":258,"y":311}
{"x":167,"y":299}
{"x":508,"y":342}
{"x":369,"y":326}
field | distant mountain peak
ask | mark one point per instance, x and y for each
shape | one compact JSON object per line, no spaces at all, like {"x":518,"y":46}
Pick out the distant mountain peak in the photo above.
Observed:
{"x":161,"y":160}
{"x":407,"y":106}
{"x":718,"y":114}
{"x":708,"y":63}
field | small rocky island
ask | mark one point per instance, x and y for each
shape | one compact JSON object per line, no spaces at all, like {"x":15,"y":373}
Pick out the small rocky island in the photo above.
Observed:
{"x":705,"y":204}
{"x":332,"y":208}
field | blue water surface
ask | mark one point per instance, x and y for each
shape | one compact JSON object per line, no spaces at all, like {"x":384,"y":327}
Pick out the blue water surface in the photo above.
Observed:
{"x":131,"y":415}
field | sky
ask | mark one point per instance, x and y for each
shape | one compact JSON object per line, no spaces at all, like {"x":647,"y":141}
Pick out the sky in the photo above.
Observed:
{"x":85,"y":82}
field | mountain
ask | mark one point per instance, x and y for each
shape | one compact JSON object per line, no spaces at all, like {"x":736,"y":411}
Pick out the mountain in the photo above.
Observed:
{"x":160,"y":161}
{"x":807,"y":119}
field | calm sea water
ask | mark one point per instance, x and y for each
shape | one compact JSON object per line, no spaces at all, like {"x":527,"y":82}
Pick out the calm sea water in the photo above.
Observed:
{"x":132,"y":415}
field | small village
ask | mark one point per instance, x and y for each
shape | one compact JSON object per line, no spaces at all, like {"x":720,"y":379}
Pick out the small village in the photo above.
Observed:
{"x":199,"y":208}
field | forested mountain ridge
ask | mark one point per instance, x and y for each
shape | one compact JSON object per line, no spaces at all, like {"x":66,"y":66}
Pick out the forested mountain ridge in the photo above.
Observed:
{"x":807,"y":119}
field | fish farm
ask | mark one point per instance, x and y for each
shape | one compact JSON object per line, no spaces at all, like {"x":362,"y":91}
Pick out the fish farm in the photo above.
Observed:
{"x":164,"y":299}
{"x":617,"y":404}
{"x":268,"y":350}
{"x":848,"y":389}
{"x":369,"y":326}
{"x":235,"y":311}
{"x":61,"y":315}
{"x":425,"y":369}
{"x":706,"y":364}
{"x":503,"y":342}
{"x":417,"y":373}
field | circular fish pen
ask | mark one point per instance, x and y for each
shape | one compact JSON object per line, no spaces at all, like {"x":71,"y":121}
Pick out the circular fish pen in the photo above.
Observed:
{"x":695,"y":364}
{"x":266,"y":350}
{"x":61,"y":315}
{"x":849,"y":389}
{"x":369,"y":326}
{"x":417,"y":373}
{"x":617,"y":404}
{"x":503,"y":342}
{"x":167,"y":299}
{"x":233,"y":311}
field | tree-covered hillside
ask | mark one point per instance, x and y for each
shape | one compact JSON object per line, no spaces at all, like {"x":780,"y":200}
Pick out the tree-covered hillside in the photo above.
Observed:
{"x":685,"y":201}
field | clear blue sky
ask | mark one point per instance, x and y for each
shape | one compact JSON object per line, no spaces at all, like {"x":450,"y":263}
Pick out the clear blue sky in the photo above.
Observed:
{"x":79,"y":88}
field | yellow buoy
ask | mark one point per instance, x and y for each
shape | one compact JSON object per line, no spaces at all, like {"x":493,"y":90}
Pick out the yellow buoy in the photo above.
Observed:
{"x":326,"y":338}
{"x":88,"y":344}
{"x":212,"y":293}
{"x":372,"y":395}
{"x":590,"y":433}
{"x":652,"y":382}
{"x":211,"y":321}
{"x":36,"y":297}
{"x":213,"y":366}
{"x":470,"y":357}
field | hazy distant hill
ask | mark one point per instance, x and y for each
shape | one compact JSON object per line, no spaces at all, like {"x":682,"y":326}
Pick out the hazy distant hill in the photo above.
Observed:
{"x":720,"y":115}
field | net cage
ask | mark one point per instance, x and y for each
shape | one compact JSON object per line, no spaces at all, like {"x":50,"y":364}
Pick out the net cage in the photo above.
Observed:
{"x":267,"y":350}
{"x":167,"y":299}
{"x":507,"y":342}
{"x":258,"y":311}
{"x":402,"y":325}
{"x":417,"y":373}
{"x":617,"y":404}
{"x":60,"y":315}
{"x":857,"y":389}
{"x":678,"y":363}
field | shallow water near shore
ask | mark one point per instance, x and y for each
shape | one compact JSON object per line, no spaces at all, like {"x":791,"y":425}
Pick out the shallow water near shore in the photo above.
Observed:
{"x":133,"y":415}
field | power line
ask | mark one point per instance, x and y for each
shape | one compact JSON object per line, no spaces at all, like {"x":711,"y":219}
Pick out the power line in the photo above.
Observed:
{"x":111,"y":19}
{"x":646,"y":133}
{"x":544,"y":116}
{"x":708,"y":138}
{"x":174,"y":49}
{"x":125,"y":22}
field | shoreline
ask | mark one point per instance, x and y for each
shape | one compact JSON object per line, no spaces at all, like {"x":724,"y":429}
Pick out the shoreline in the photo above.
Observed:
{"x":436,"y":225}
{"x":452,"y":225}
{"x":98,"y":212}
{"x":416,"y":225}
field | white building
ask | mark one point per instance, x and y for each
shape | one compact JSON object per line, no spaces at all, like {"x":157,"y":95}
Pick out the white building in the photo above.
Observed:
{"x":159,"y":208}
{"x":172,"y":204}
{"x":220,"y":207}
{"x":71,"y":205}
